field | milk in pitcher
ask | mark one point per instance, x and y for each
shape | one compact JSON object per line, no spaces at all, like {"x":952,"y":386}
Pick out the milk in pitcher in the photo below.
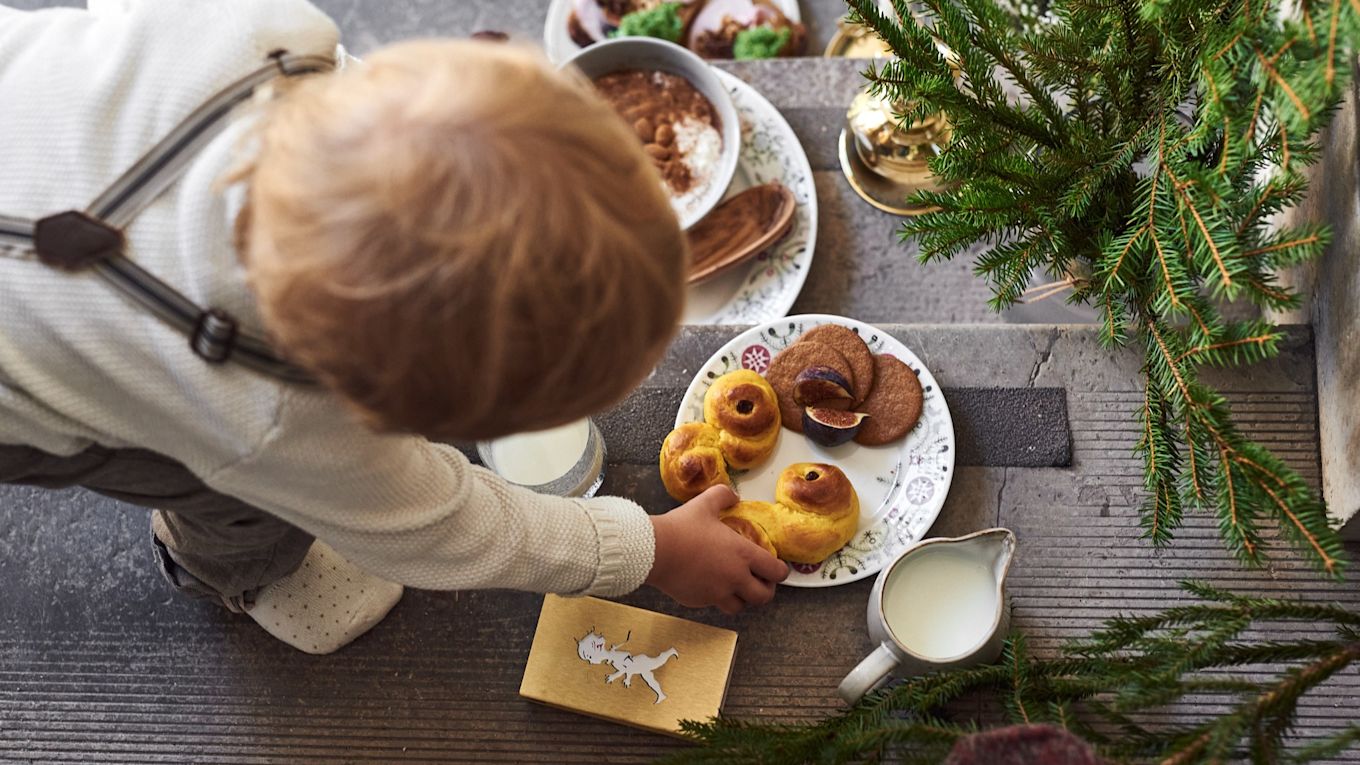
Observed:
{"x":941,"y":603}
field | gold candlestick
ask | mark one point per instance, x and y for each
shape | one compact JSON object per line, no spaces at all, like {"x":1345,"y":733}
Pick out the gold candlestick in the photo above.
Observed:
{"x":856,"y":41}
{"x":884,"y":162}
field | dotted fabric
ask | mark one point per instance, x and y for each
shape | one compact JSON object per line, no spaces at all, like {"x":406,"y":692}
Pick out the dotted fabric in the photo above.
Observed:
{"x":85,"y":93}
{"x":325,"y":604}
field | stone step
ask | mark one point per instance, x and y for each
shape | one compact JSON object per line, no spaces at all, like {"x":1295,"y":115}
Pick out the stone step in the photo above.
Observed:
{"x":1021,"y":396}
{"x":98,"y":662}
{"x":367,"y":24}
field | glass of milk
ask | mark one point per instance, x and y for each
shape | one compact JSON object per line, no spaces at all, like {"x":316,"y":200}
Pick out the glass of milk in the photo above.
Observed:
{"x":567,"y":461}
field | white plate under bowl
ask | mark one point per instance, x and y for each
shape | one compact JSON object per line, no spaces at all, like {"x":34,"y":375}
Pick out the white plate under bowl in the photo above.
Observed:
{"x":766,"y":288}
{"x":901,"y":485}
{"x":560,"y":46}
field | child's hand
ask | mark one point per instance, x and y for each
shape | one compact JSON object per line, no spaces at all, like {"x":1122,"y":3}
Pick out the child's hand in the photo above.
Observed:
{"x":701,"y":562}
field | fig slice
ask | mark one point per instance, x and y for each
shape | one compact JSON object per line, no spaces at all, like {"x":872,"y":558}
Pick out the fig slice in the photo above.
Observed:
{"x":830,"y":427}
{"x":822,"y":387}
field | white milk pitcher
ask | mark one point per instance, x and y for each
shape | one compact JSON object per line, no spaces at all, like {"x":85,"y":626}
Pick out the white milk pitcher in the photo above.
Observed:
{"x":940,"y":604}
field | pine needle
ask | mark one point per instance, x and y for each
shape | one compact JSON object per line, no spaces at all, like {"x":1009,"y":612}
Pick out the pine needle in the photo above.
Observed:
{"x":1148,"y":144}
{"x":1103,"y":688}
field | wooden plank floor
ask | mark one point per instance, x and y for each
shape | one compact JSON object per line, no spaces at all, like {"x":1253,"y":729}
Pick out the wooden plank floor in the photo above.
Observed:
{"x":100,"y":663}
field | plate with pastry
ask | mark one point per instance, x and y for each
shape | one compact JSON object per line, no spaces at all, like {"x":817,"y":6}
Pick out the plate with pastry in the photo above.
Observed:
{"x":715,"y":29}
{"x":834,"y":434}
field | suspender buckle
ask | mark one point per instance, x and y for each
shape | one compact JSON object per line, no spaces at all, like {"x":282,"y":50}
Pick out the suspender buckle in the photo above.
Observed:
{"x":74,"y":241}
{"x":214,"y":336}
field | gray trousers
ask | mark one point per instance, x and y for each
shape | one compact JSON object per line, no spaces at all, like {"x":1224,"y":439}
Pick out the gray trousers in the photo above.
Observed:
{"x":209,"y":545}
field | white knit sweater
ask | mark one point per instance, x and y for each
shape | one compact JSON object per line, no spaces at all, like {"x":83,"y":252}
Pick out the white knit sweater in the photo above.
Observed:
{"x":83,"y":93}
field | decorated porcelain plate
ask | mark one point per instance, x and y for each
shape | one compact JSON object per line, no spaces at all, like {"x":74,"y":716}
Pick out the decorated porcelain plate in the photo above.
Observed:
{"x":901,"y":485}
{"x":560,"y":46}
{"x":764,"y":289}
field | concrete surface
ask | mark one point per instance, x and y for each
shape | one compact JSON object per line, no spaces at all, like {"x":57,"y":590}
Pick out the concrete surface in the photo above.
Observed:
{"x":100,"y":663}
{"x":1331,"y":285}
{"x":1336,"y":318}
{"x":860,"y":268}
{"x":1005,"y":424}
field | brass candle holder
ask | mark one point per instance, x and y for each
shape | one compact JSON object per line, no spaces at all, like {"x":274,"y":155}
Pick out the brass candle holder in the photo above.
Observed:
{"x":856,"y":41}
{"x":884,"y":162}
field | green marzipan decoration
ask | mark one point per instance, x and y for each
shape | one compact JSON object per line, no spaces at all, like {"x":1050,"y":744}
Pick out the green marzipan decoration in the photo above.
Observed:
{"x":760,"y":42}
{"x":662,"y":22}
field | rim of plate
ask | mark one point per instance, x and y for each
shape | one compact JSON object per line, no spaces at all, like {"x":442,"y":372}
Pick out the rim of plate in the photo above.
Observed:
{"x":559,"y":46}
{"x":921,"y":522}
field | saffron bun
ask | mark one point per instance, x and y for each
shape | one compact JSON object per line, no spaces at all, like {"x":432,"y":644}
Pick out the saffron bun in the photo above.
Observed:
{"x":692,"y":461}
{"x":739,"y":431}
{"x":815,"y":513}
{"x":744,"y":409}
{"x":750,"y":519}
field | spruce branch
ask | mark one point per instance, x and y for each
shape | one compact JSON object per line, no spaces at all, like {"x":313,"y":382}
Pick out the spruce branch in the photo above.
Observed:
{"x":1147,"y":144}
{"x":1108,"y":688}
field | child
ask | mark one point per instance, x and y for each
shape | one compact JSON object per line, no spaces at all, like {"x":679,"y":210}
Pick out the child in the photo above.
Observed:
{"x":454,"y":238}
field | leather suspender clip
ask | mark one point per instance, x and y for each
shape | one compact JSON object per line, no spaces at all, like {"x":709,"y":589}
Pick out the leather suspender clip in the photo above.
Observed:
{"x":74,"y":241}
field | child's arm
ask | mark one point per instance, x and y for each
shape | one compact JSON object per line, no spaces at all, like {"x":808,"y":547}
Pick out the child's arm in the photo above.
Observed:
{"x":418,"y":513}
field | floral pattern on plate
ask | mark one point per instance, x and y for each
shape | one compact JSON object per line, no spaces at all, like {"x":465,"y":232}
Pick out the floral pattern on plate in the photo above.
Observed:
{"x":906,"y":482}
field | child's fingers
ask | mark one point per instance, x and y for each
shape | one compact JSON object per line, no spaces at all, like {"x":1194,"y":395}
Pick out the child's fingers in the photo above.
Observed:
{"x":757,"y":592}
{"x":714,"y":500}
{"x":766,"y":566}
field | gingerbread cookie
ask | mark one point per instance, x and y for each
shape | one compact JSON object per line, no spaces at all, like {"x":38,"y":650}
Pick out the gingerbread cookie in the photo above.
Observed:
{"x":855,"y":351}
{"x":794,"y":359}
{"x":893,"y":406}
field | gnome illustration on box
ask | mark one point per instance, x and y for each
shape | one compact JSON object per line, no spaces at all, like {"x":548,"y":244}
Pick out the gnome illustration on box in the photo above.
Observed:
{"x":591,"y":648}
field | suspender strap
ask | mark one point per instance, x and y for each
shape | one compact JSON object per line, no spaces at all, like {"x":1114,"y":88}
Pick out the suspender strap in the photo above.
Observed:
{"x":167,"y":160}
{"x":15,"y":233}
{"x":93,"y":239}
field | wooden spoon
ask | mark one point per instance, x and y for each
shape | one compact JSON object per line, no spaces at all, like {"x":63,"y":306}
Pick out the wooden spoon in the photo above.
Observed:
{"x":739,"y":229}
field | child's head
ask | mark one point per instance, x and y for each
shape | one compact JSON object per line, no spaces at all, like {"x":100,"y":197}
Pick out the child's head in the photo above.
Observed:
{"x":461,"y":241}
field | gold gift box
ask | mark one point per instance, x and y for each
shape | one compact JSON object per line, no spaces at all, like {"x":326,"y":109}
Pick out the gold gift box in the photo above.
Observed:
{"x":627,"y":665}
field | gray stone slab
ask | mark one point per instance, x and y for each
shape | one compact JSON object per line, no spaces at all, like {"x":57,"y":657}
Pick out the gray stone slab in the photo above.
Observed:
{"x":100,"y":663}
{"x":861,"y":268}
{"x":1330,"y":287}
{"x":368,"y":24}
{"x":994,"y":427}
{"x":804,"y":83}
{"x":1022,"y":356}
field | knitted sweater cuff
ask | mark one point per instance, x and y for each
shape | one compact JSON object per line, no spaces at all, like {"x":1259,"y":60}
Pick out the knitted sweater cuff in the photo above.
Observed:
{"x":626,"y":544}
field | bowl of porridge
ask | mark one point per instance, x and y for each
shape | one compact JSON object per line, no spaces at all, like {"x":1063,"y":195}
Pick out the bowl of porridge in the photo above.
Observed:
{"x":680,"y":111}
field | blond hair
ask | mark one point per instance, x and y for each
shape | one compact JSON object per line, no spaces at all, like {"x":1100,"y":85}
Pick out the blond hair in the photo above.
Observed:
{"x":461,"y":241}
